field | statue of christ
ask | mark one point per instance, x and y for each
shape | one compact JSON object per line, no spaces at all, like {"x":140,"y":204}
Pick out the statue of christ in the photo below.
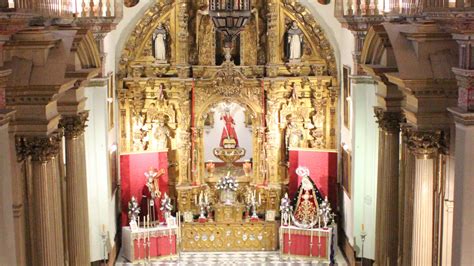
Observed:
{"x":228,"y":132}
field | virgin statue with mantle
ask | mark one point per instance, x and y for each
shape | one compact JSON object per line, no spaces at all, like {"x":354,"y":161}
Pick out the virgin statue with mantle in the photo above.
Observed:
{"x":307,"y":198}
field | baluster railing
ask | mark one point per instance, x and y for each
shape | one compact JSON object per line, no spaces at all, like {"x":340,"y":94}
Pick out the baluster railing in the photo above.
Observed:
{"x":67,"y":8}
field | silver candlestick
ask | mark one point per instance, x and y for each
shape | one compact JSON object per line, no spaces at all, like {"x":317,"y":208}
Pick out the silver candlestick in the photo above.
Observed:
{"x":363,"y":236}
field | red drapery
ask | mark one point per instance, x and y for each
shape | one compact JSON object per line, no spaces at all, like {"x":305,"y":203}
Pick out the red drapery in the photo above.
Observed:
{"x":323,"y":171}
{"x":300,"y":245}
{"x":132,"y":169}
{"x":160,"y":246}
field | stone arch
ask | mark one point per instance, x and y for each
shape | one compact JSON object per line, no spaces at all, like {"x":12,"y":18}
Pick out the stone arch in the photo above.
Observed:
{"x":377,"y":48}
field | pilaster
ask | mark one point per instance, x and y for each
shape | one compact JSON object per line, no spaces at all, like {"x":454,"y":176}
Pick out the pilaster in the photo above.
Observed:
{"x":387,"y":227}
{"x":462,"y":244}
{"x":77,"y":215}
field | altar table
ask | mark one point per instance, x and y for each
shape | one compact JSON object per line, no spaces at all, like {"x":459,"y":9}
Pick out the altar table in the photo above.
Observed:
{"x":162,"y":243}
{"x":238,"y":236}
{"x":296,"y":242}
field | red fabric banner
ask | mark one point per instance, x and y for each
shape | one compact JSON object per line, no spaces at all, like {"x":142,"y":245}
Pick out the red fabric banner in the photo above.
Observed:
{"x":132,"y":172}
{"x":322,"y":167}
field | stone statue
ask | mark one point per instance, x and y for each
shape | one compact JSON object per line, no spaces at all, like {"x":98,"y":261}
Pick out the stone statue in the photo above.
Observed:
{"x":294,"y":49}
{"x":137,"y":135}
{"x":161,"y":135}
{"x":159,"y":43}
{"x":294,"y":135}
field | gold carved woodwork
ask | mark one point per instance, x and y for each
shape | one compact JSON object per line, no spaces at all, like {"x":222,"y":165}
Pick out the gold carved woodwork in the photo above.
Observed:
{"x":228,"y":213}
{"x":262,"y":83}
{"x":247,"y":236}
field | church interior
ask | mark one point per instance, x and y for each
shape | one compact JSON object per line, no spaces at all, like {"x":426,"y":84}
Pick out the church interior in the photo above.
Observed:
{"x":236,"y":132}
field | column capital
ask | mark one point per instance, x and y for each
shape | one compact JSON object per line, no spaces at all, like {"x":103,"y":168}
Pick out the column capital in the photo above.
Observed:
{"x":425,"y":143}
{"x":40,"y":148}
{"x":388,"y":121}
{"x":74,"y":125}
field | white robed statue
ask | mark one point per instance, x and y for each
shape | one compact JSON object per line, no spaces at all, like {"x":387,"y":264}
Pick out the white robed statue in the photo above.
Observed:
{"x":159,"y":43}
{"x":295,"y":42}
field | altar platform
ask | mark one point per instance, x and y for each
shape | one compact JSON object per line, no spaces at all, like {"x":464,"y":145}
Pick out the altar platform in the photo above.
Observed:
{"x":233,"y":258}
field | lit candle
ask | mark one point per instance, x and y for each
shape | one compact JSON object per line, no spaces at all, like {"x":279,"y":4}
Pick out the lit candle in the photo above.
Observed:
{"x":195,"y":199}
{"x":289,"y":229}
{"x":311,"y":228}
{"x":363,"y":228}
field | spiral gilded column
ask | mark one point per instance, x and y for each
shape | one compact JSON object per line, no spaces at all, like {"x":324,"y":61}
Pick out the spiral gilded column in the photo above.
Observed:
{"x":77,"y":214}
{"x":387,"y":187}
{"x":46,"y":224}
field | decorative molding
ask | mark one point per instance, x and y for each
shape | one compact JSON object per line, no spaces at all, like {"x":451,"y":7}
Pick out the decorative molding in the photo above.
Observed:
{"x":39,"y":148}
{"x":388,"y":121}
{"x":74,"y":125}
{"x":426,"y":143}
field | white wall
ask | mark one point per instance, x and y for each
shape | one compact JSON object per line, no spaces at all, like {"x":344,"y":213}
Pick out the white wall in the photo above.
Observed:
{"x":7,"y":243}
{"x":365,"y":161}
{"x":212,"y":136}
{"x":102,"y":209}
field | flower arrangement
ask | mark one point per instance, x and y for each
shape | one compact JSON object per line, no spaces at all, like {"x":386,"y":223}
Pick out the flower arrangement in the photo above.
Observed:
{"x":227,"y":183}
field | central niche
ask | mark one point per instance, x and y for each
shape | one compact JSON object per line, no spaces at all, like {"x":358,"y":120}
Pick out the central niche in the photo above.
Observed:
{"x":227,"y":140}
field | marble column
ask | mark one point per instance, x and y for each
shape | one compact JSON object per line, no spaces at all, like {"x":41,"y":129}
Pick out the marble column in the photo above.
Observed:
{"x":463,"y":232}
{"x":77,"y":213}
{"x":40,"y":152}
{"x":387,"y":226}
{"x":425,"y":146}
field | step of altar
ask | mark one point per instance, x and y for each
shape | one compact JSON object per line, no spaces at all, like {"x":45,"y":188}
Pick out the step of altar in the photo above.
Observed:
{"x":233,"y":258}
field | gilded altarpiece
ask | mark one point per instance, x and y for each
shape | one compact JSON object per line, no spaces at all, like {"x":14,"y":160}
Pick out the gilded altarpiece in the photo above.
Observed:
{"x":288,"y":104}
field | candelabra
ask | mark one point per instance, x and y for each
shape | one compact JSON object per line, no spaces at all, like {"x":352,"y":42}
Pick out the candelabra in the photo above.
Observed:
{"x":103,"y":236}
{"x":363,"y":236}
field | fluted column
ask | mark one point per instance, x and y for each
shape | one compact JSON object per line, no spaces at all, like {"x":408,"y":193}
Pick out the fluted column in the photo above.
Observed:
{"x":425,"y":146}
{"x":406,"y":196}
{"x":387,"y":226}
{"x":40,"y":152}
{"x":77,"y":214}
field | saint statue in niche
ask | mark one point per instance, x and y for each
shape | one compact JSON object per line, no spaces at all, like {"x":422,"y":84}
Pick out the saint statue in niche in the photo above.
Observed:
{"x":159,"y":43}
{"x":161,"y":134}
{"x":294,"y":135}
{"x":294,"y":42}
{"x":228,"y":132}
